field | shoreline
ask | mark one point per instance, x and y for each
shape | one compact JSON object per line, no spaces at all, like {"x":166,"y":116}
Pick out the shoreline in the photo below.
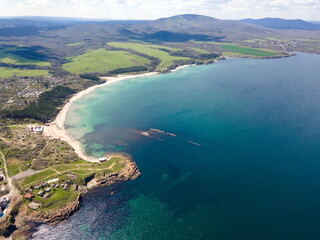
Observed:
{"x":56,"y":128}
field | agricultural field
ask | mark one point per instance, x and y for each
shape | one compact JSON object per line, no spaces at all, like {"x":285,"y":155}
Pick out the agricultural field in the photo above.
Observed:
{"x":9,"y":72}
{"x":21,"y":55}
{"x":199,"y":50}
{"x":151,"y":50}
{"x":102,"y":60}
{"x":242,"y":50}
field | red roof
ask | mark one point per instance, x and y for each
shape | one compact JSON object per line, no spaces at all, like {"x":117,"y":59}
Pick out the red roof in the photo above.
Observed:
{"x":28,"y":195}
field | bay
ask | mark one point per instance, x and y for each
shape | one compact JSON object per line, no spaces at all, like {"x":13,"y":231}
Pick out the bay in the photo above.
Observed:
{"x":244,"y":163}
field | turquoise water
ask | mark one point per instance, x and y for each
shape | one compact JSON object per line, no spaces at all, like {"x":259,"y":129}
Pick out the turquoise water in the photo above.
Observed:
{"x":253,"y":174}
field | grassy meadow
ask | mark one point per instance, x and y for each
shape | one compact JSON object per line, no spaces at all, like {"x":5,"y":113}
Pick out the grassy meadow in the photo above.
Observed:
{"x":9,"y":72}
{"x":242,"y":50}
{"x":13,"y":55}
{"x":151,"y":50}
{"x":102,"y":60}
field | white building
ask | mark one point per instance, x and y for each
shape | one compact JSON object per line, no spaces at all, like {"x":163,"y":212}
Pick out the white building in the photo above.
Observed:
{"x":36,"y":129}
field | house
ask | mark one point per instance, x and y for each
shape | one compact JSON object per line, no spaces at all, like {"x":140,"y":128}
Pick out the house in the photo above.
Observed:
{"x":36,"y":129}
{"x":29,"y":196}
{"x":40,"y":193}
{"x":33,"y":205}
{"x":47,"y":189}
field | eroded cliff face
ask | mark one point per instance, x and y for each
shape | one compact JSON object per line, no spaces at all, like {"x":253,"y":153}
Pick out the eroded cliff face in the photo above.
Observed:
{"x":129,"y":172}
{"x":26,"y":216}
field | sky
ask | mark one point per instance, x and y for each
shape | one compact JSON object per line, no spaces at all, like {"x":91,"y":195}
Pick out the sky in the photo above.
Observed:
{"x":153,"y":9}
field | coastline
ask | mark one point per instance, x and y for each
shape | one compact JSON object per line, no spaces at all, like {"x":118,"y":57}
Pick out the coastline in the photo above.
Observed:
{"x":56,"y":128}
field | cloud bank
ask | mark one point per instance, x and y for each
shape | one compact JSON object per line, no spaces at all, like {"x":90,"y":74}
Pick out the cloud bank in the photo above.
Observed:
{"x":152,"y":9}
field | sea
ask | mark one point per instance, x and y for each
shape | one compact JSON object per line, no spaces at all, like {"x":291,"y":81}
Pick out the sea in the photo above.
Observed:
{"x":227,"y":151}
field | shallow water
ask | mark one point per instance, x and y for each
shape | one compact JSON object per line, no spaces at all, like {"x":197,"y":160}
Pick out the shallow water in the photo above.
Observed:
{"x":254,"y":176}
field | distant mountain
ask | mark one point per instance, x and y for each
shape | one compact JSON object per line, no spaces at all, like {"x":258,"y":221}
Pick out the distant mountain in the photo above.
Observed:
{"x":201,"y":27}
{"x":279,"y":23}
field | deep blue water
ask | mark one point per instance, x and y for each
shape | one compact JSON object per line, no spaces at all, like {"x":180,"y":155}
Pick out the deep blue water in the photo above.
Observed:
{"x":255,"y":176}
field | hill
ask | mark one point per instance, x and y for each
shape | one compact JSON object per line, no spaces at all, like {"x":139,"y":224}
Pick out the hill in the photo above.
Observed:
{"x":197,"y":27}
{"x":279,"y":23}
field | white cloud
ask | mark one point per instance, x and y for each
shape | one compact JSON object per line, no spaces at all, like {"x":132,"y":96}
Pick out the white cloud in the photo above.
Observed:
{"x":151,"y":9}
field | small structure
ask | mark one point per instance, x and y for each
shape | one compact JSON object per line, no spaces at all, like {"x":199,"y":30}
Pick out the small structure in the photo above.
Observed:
{"x":52,"y":185}
{"x":29,"y":196}
{"x":65,"y":187}
{"x":40,"y":193}
{"x":57,"y":186}
{"x":102,"y":159}
{"x":53,"y":180}
{"x":37,"y":187}
{"x":36,"y":129}
{"x":47,"y":189}
{"x":33,"y":205}
{"x":47,"y":195}
{"x":44,"y":184}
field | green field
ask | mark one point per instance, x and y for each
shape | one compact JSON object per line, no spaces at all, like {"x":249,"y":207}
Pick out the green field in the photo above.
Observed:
{"x":248,"y":50}
{"x":9,"y":72}
{"x":12,"y":55}
{"x":199,"y":50}
{"x":39,"y":176}
{"x":151,"y":50}
{"x":102,"y":60}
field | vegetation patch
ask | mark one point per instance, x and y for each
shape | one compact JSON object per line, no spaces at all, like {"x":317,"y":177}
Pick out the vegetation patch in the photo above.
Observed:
{"x":46,"y":106}
{"x":102,"y":60}
{"x":22,"y":55}
{"x":248,"y":50}
{"x":39,"y":176}
{"x":9,"y":72}
{"x":198,"y":50}
{"x":156,"y":51}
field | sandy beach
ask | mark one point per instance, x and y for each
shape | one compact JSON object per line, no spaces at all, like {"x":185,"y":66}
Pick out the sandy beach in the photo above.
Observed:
{"x":56,"y":128}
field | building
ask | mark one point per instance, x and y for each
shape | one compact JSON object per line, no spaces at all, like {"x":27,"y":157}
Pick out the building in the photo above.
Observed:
{"x":33,"y":205}
{"x":29,"y":196}
{"x":36,"y":129}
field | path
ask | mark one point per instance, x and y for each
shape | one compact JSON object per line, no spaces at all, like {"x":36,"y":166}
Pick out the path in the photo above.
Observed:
{"x":12,"y":189}
{"x":40,"y":153}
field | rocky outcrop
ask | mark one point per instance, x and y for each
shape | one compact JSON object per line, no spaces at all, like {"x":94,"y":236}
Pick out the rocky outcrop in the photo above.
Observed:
{"x":56,"y":216}
{"x":129,"y":172}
